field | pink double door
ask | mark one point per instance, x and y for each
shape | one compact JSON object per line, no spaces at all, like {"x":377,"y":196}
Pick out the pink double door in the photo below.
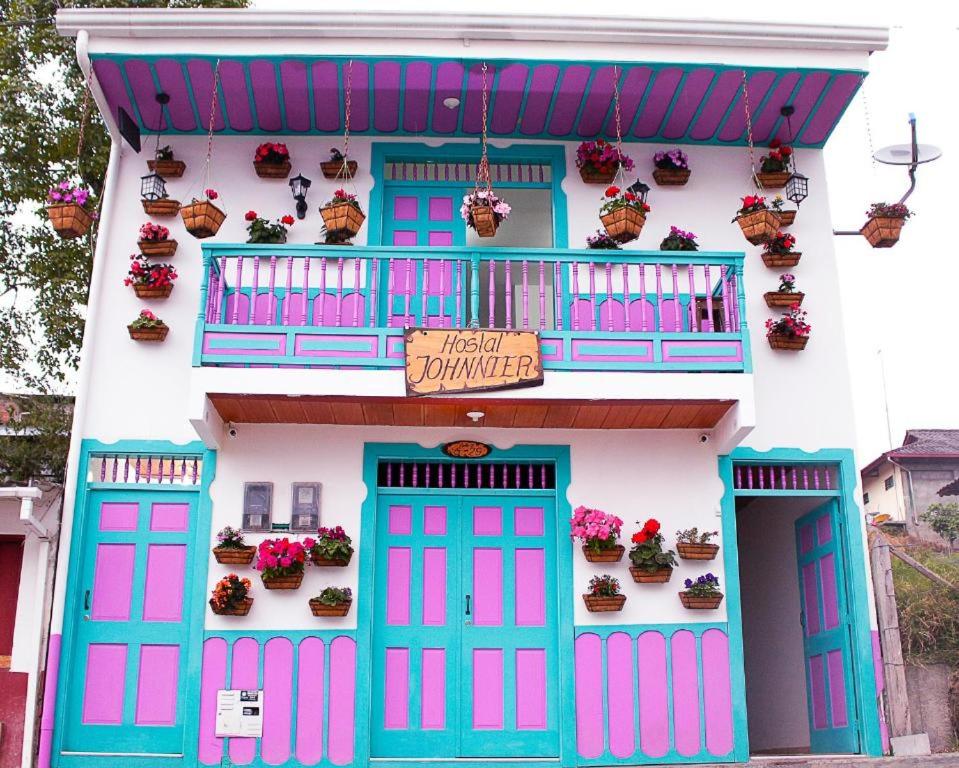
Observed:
{"x":465,"y":627}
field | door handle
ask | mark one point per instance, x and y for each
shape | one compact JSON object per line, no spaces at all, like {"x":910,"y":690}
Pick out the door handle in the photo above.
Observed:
{"x":86,"y":600}
{"x":467,"y":605}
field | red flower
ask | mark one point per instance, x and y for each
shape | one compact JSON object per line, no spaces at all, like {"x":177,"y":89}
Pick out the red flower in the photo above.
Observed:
{"x":652,"y":527}
{"x":775,"y":156}
{"x":288,"y":220}
{"x":785,"y":151}
{"x":612,"y":191}
{"x":775,"y":144}
{"x":250,"y":215}
{"x":646,"y":207}
{"x":629,"y":196}
{"x":639,"y":537}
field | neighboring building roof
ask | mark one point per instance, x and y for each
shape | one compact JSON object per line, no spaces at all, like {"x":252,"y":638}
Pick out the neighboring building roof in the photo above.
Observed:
{"x":920,"y":444}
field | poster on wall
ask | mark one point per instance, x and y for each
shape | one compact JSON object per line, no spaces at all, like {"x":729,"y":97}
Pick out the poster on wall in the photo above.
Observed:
{"x":239,"y":713}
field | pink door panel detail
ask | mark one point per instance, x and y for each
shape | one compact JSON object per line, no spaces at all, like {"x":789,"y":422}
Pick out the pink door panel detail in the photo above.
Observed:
{"x":434,"y":586}
{"x":244,"y":676}
{"x":309,"y":704}
{"x":528,"y":521}
{"x":118,"y":516}
{"x":433,"y":692}
{"x":817,"y":691}
{"x":397,"y":686}
{"x":530,"y":587}
{"x":530,"y":689}
{"x":213,"y":680}
{"x":589,"y":695}
{"x":405,"y":208}
{"x":837,"y":689}
{"x":342,"y":700}
{"x":716,"y":692}
{"x":434,"y":521}
{"x":685,"y":693}
{"x":403,"y":237}
{"x":401,"y":520}
{"x":830,"y":596}
{"x":439,"y":240}
{"x":619,"y":691}
{"x":398,"y":585}
{"x":173,"y":518}
{"x":163,"y":593}
{"x":441,"y":209}
{"x":810,"y":599}
{"x":487,"y":521}
{"x":823,"y":530}
{"x":113,"y":582}
{"x":277,"y":700}
{"x":157,"y":684}
{"x":488,"y":586}
{"x":487,"y":689}
{"x":105,"y":682}
{"x":653,"y":706}
{"x":806,"y":539}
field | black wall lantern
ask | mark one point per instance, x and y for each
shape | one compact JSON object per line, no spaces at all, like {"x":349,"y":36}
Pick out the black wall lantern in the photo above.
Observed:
{"x":639,"y":189}
{"x":797,"y":185}
{"x":152,"y":187}
{"x":300,"y":184}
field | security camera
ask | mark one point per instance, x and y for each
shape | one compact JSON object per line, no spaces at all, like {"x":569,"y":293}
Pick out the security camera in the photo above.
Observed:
{"x":704,"y":438}
{"x":231,"y":429}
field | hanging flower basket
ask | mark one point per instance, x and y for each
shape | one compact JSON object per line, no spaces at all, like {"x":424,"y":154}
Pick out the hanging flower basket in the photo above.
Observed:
{"x":231,"y":596}
{"x":290,"y":581}
{"x":150,"y":281}
{"x":148,"y":327}
{"x":703,"y":593}
{"x":603,"y":595}
{"x":164,"y":206}
{"x":333,"y":168}
{"x":281,"y":563}
{"x":484,"y":210}
{"x":263,"y":231}
{"x":234,"y":555}
{"x":65,"y":207}
{"x":164,"y":165}
{"x":332,"y":601}
{"x":272,"y":161}
{"x":885,"y":223}
{"x":694,"y":602}
{"x":787,"y":342}
{"x":791,"y":331}
{"x":201,"y":217}
{"x":154,"y":241}
{"x":774,"y":170}
{"x":776,"y":299}
{"x":331,"y":548}
{"x":757,"y":222}
{"x":599,"y":161}
{"x":651,"y":564}
{"x":692,"y":544}
{"x":778,"y":251}
{"x":606,"y":555}
{"x":342,"y":215}
{"x":775,"y":180}
{"x":153,"y":292}
{"x":623,"y":214}
{"x":659,"y":576}
{"x":672,"y":168}
{"x":779,"y":260}
{"x":240,"y":608}
{"x":598,"y":531}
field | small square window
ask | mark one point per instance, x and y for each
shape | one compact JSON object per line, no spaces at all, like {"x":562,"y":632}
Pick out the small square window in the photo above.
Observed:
{"x":305,"y":516}
{"x":257,"y":506}
{"x":865,"y":498}
{"x":890,"y":482}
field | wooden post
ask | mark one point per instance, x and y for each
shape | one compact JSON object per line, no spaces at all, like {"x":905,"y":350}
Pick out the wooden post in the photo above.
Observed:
{"x":897,"y":699}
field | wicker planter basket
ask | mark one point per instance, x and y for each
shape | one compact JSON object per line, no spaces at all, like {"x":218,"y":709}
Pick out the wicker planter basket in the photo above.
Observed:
{"x":336,"y":562}
{"x":775,"y":180}
{"x":234,"y":555}
{"x":758,"y":226}
{"x":596,"y":604}
{"x":283,"y":582}
{"x":165,"y":206}
{"x":157,"y":249}
{"x":611,"y":555}
{"x":784,"y":341}
{"x":273,"y":170}
{"x":660,"y":576}
{"x":623,"y":224}
{"x":343,"y":217}
{"x":786,"y":218}
{"x":152,"y":292}
{"x":238,"y":610}
{"x":777,"y":260}
{"x":671,"y":177}
{"x":778,"y":299}
{"x":331,"y":169}
{"x":321,"y":609}
{"x":882,"y":231}
{"x":149,"y":334}
{"x":168,"y":169}
{"x":70,"y":220}
{"x":202,"y":219}
{"x":689,"y":551}
{"x":484,"y":220}
{"x":592,"y":176}
{"x":700,"y":603}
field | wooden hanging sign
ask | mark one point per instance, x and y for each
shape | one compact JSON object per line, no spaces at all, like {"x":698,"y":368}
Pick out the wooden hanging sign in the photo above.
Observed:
{"x":447,"y":360}
{"x":466,"y":449}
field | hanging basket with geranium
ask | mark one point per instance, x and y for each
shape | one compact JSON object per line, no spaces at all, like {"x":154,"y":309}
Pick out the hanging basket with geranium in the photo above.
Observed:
{"x":231,"y":596}
{"x":148,"y":327}
{"x":780,"y":251}
{"x":651,"y":564}
{"x":774,"y":168}
{"x":599,"y":532}
{"x":483,"y":210}
{"x":672,"y":168}
{"x":272,"y":161}
{"x":201,"y":217}
{"x":165,"y":165}
{"x":623,"y":214}
{"x":756,"y":220}
{"x":604,"y":595}
{"x":601,"y":242}
{"x":884,"y":225}
{"x":791,"y":331}
{"x":231,"y":549}
{"x":342,"y":215}
{"x":332,"y":601}
{"x":786,"y":295}
{"x":703,"y":593}
{"x":264,"y":231}
{"x":338,"y":166}
{"x":786,"y":217}
{"x":150,"y":281}
{"x":331,"y":547}
{"x":281,"y":563}
{"x":66,"y":207}
{"x":679,"y":240}
{"x":154,"y":240}
{"x":598,"y":161}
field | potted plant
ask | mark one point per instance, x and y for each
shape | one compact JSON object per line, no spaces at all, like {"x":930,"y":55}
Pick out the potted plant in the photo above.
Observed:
{"x":623,"y":214}
{"x":150,"y":281}
{"x":678,"y":240}
{"x":774,"y":167}
{"x":263,"y":231}
{"x":779,"y":251}
{"x":598,"y":531}
{"x":693,"y":545}
{"x":272,"y":161}
{"x":601,"y":242}
{"x":165,"y":165}
{"x":342,"y":215}
{"x":786,"y":218}
{"x":598,"y":161}
{"x":786,"y":295}
{"x":483,"y":210}
{"x":604,"y":595}
{"x":331,"y":547}
{"x":672,"y":168}
{"x":66,"y":207}
{"x":332,"y":601}
{"x":154,"y":240}
{"x":884,"y":225}
{"x":333,"y":167}
{"x":701,"y":594}
{"x":231,"y":549}
{"x":148,"y":327}
{"x":757,"y":222}
{"x":791,"y":331}
{"x":201,"y":217}
{"x":281,"y":563}
{"x":650,"y":563}
{"x":230,"y":596}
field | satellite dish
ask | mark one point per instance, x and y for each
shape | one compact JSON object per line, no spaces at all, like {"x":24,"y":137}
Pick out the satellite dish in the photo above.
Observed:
{"x":901,"y":154}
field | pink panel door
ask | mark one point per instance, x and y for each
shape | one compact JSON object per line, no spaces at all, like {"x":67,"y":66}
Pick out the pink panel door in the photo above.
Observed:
{"x":126,"y":691}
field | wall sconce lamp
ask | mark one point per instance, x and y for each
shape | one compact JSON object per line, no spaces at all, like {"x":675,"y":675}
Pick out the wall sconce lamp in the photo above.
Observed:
{"x":300,"y":184}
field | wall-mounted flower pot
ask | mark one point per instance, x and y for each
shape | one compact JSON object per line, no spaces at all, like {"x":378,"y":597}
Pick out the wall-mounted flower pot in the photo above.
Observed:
{"x":321,"y":609}
{"x":202,"y":218}
{"x":273,"y":170}
{"x":882,"y":231}
{"x":157,"y":333}
{"x":153,"y":292}
{"x":773,"y":180}
{"x":168,"y":169}
{"x":343,"y":218}
{"x":759,"y":226}
{"x":337,"y":562}
{"x":671,"y":177}
{"x":610,"y":555}
{"x":292,"y":581}
{"x":597,"y":604}
{"x":778,"y":260}
{"x":241,"y":609}
{"x":234,"y":555}
{"x":592,"y":175}
{"x":623,"y":224}
{"x":700,"y":603}
{"x":689,"y":551}
{"x":783,"y":341}
{"x":70,"y":220}
{"x":786,"y":218}
{"x":783,"y":299}
{"x":332,"y":169}
{"x":157,"y":249}
{"x":165,"y":206}
{"x":659,"y":576}
{"x":484,"y":220}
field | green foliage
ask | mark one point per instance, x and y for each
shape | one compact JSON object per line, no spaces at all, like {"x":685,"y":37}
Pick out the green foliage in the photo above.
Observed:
{"x":649,"y":555}
{"x":335,"y":596}
{"x":943,"y":519}
{"x":928,"y":612}
{"x":37,"y":439}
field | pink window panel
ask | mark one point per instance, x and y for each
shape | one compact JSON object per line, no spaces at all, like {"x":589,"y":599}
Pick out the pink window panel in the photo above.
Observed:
{"x":118,"y":516}
{"x":528,"y":521}
{"x":530,"y":689}
{"x":400,"y":520}
{"x":589,"y":695}
{"x":433,"y":690}
{"x":830,"y":594}
{"x":810,"y":599}
{"x":438,"y":240}
{"x":309,"y":705}
{"x":434,"y":586}
{"x":396,"y":713}
{"x":619,"y":691}
{"x":530,"y":587}
{"x":405,"y":208}
{"x":817,"y":690}
{"x":488,"y":587}
{"x":487,"y":521}
{"x":275,"y":746}
{"x":653,"y":704}
{"x":685,"y":693}
{"x":487,"y":689}
{"x":244,"y":675}
{"x":157,"y":684}
{"x":837,"y":689}
{"x":806,"y":539}
{"x":823,"y":530}
{"x":398,"y":585}
{"x":403,"y":237}
{"x":717,"y":694}
{"x":173,"y":518}
{"x":163,"y":593}
{"x":104,"y":684}
{"x":434,"y":521}
{"x":441,"y":209}
{"x":113,"y":582}
{"x":342,"y":726}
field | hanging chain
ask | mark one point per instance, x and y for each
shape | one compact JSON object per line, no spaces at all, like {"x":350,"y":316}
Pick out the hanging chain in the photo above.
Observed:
{"x":209,"y":136}
{"x":620,"y":173}
{"x":482,"y":172}
{"x":749,"y":132}
{"x":347,"y":112}
{"x":865,"y":104}
{"x":84,"y":116}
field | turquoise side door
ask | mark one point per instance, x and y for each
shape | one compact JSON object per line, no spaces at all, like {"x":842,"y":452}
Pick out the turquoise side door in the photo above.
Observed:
{"x":128,"y":683}
{"x":465,"y":647}
{"x":827,"y":642}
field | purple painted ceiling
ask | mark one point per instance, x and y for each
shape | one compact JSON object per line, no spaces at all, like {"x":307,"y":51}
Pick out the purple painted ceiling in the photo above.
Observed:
{"x":670,"y":103}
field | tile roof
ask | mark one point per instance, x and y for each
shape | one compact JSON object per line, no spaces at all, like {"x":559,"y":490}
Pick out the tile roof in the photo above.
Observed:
{"x":928,"y":442}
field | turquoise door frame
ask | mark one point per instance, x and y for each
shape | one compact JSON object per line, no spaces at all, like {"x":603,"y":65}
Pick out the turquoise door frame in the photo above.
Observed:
{"x":562,"y":599}
{"x":855,"y":576}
